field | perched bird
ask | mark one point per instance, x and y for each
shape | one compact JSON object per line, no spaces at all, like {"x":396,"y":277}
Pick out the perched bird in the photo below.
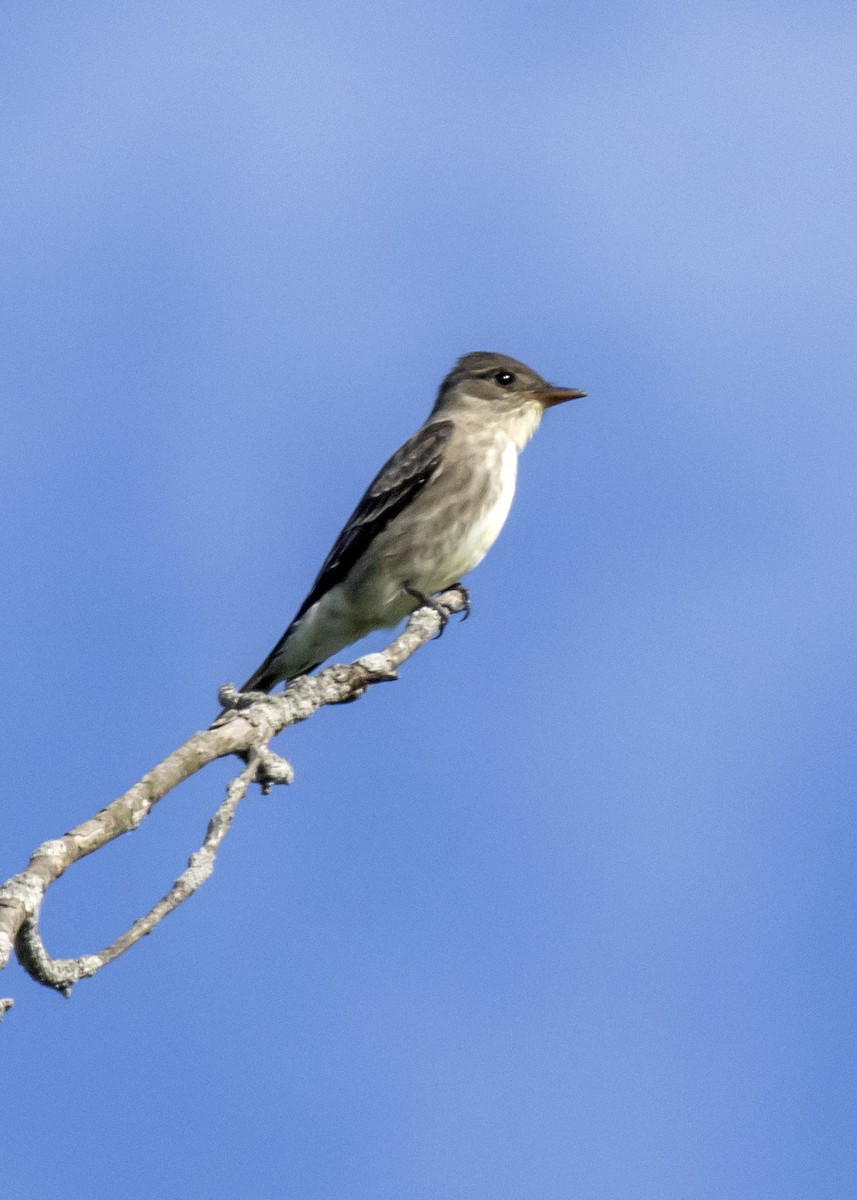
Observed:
{"x":427,"y":518}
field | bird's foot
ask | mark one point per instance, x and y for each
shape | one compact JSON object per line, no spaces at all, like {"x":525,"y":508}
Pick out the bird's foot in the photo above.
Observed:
{"x":429,"y":602}
{"x":465,"y":596}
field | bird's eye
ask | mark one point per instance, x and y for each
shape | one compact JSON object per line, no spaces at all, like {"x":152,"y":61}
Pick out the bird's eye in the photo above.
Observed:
{"x":504,"y":378}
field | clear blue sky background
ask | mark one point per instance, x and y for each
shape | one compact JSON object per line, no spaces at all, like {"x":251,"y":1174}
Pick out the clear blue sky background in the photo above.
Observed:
{"x":568,"y":911}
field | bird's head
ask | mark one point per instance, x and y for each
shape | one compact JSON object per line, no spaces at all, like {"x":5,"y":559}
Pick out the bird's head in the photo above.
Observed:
{"x":500,"y":391}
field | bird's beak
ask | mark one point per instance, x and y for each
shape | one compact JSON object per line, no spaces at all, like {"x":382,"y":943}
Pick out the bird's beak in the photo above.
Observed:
{"x":554,"y":395}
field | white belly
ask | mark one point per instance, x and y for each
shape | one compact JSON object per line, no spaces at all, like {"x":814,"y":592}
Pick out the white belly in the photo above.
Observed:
{"x":478,"y":538}
{"x":428,"y":556}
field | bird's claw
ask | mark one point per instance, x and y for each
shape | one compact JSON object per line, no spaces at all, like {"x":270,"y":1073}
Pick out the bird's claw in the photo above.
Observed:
{"x":430,"y":602}
{"x":465,"y":596}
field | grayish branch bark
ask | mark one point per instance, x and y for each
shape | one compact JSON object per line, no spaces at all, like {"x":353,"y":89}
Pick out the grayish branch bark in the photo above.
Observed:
{"x":246,"y":731}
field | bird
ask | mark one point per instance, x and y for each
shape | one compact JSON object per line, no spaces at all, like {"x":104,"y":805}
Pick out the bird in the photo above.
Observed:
{"x":428,"y":517}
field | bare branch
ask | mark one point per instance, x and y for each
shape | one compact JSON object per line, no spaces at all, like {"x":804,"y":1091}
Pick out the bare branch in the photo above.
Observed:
{"x":63,"y":973}
{"x":246,"y":731}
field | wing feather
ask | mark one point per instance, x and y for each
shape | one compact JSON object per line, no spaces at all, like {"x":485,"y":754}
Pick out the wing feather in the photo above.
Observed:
{"x":392,"y":489}
{"x":397,"y":483}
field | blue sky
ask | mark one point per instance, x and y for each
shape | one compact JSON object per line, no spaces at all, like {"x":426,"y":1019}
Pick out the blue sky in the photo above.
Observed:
{"x":568,"y":911}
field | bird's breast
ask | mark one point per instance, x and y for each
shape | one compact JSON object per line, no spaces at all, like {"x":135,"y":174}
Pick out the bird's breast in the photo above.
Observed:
{"x":442,"y":535}
{"x":472,"y":498}
{"x":490,"y":515}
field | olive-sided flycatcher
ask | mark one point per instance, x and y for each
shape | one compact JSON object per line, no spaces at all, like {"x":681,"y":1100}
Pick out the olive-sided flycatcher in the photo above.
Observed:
{"x":427,"y":518}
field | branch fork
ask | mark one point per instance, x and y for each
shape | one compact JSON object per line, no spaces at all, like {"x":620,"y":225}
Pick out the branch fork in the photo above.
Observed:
{"x":245,"y":731}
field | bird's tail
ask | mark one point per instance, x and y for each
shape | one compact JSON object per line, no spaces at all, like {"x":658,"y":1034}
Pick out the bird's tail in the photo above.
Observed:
{"x":268,"y":674}
{"x":263,"y":678}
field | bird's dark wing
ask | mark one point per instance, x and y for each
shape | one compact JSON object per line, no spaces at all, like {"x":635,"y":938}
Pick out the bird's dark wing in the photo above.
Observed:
{"x":392,"y":489}
{"x":395,"y":485}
